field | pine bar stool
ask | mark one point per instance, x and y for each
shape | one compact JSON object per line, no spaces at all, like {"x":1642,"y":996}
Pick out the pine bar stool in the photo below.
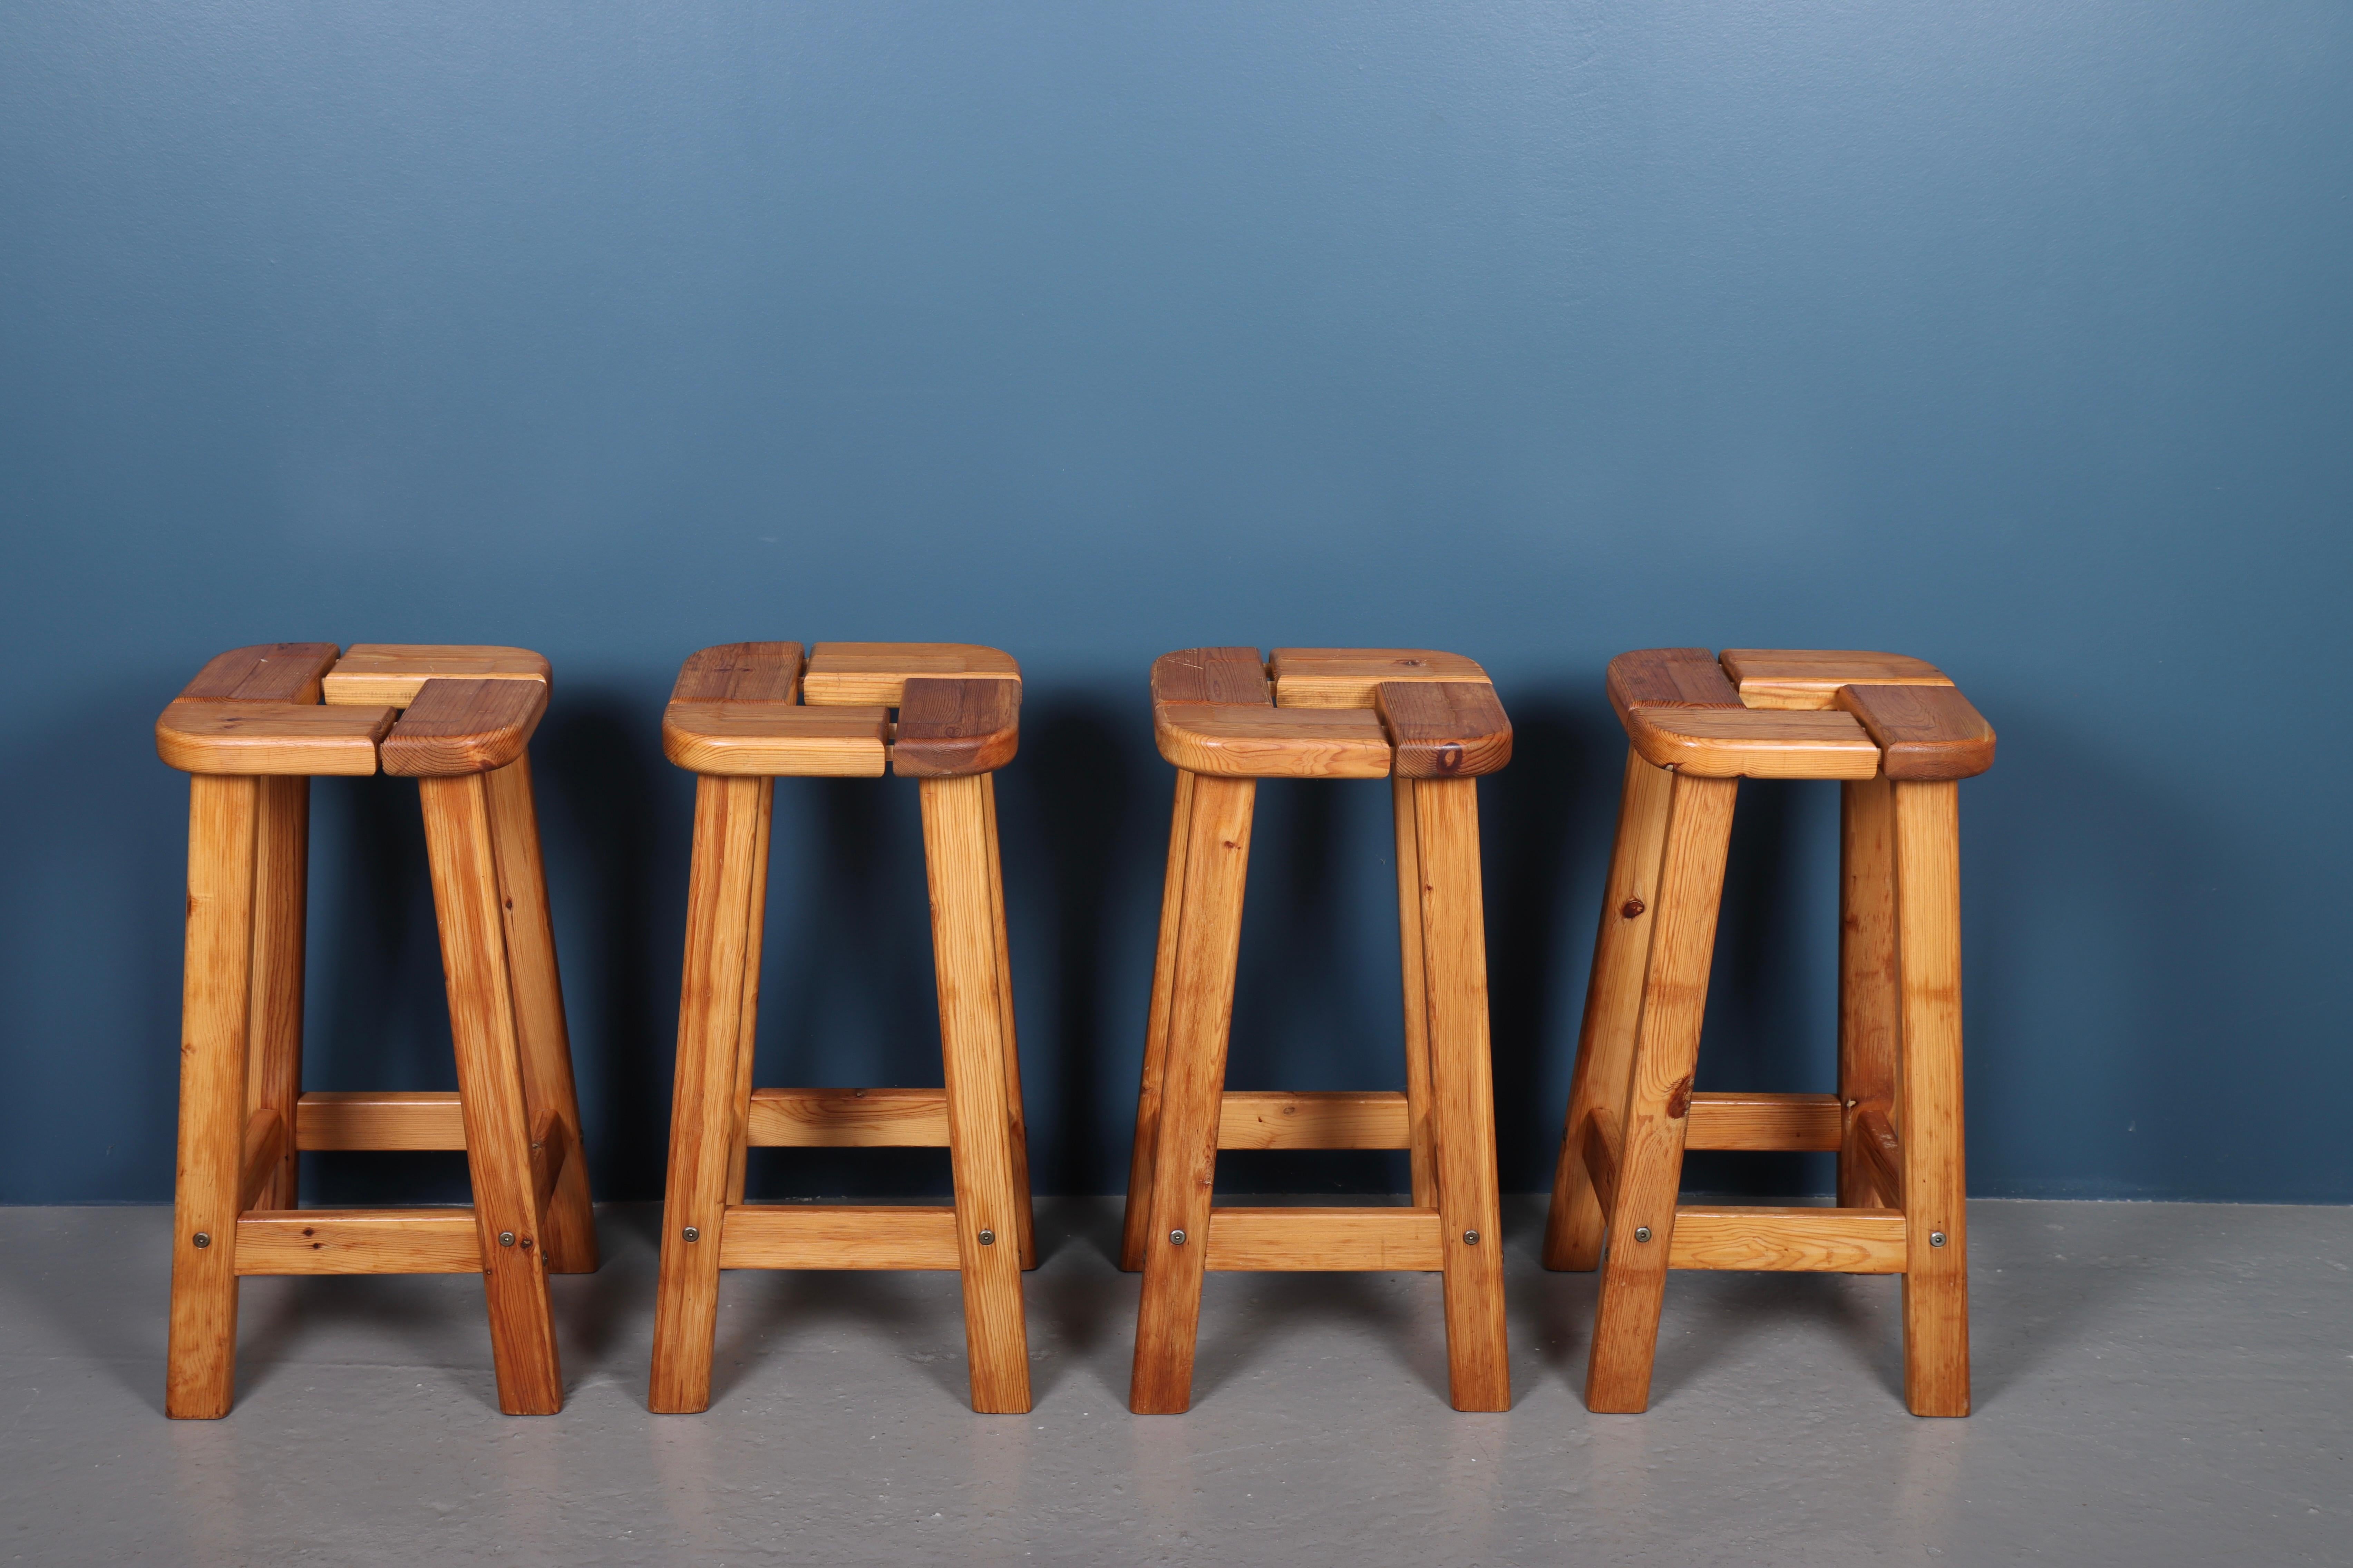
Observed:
{"x":1899,"y":736}
{"x":252,"y":731}
{"x":742,"y":716}
{"x":1430,"y":723}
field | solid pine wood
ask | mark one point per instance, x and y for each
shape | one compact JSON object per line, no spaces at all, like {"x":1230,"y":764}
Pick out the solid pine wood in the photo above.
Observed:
{"x":1653,"y":1123}
{"x":739,"y":1107}
{"x":266,"y":1147}
{"x":1668,"y":676}
{"x":244,"y":739}
{"x":461,"y":850}
{"x":379,"y":1119}
{"x":1928,"y":1098}
{"x":1211,"y":675}
{"x":1922,"y":731}
{"x":1306,"y":1240}
{"x":455,"y":726}
{"x":1462,"y":1094}
{"x":1018,"y":1145}
{"x":1810,"y":677}
{"x":1870,"y":1018}
{"x":721,"y":953}
{"x":265,"y":672}
{"x":1316,"y":1119}
{"x":280,"y":903}
{"x":1444,"y":728}
{"x":1237,"y":740}
{"x":847,"y":1119}
{"x":359,"y":1241}
{"x":951,"y":728}
{"x":840,"y":1235}
{"x":1349,"y":676}
{"x":766,"y":740}
{"x":1754,"y":1121}
{"x":1842,"y":1241}
{"x":1758,"y":743}
{"x":1185,"y":1163}
{"x":974,"y":1048}
{"x":855,"y":674}
{"x":1136,"y":1222}
{"x":1421,"y":1140}
{"x":216,"y":1010}
{"x":741,"y":672}
{"x":1576,"y":1222}
{"x":389,"y":675}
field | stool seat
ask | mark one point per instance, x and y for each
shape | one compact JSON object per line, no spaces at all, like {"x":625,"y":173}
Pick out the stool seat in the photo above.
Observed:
{"x":757,"y":710}
{"x":390,"y":673}
{"x":1327,"y":713}
{"x":854,"y":674}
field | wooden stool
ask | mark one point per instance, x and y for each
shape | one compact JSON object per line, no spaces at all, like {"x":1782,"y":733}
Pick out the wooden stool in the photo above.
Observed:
{"x":743,"y":716}
{"x":1431,"y":722}
{"x":1899,"y":735}
{"x":252,"y":731}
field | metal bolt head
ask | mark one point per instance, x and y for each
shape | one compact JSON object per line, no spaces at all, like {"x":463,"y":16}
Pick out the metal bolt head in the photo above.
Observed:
{"x":1936,"y":1239}
{"x":988,"y":1238}
{"x":506,"y":1239}
{"x":1177,"y":1237}
{"x":201,"y":1239}
{"x":692,"y":1234}
{"x":1641,"y":1233}
{"x":1469,"y":1238}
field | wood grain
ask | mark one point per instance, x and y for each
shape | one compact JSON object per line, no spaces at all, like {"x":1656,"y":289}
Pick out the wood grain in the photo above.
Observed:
{"x":1185,"y":1154}
{"x":266,"y":1147}
{"x":839,"y":1235}
{"x":1726,"y":743}
{"x":1136,"y":1221}
{"x":1302,"y":1239}
{"x":379,"y":1119}
{"x":359,"y":1241}
{"x":1235,"y":741}
{"x":1018,"y":1127}
{"x":722,"y":955}
{"x":1668,"y":676}
{"x":1444,"y":728}
{"x":273,"y":1057}
{"x":459,"y":727}
{"x":1872,"y":1145}
{"x":776,"y":740}
{"x":1348,"y":677}
{"x":741,"y":672}
{"x":1928,"y":732}
{"x":859,"y":673}
{"x":951,"y":728}
{"x":389,"y":675}
{"x":973,"y":1048}
{"x":265,"y":672}
{"x":1577,"y":1220}
{"x":1751,"y":1121}
{"x":1598,"y":1151}
{"x":747,"y":1029}
{"x":1462,"y":1091}
{"x":1211,"y":675}
{"x":1666,"y":1050}
{"x":246,"y":738}
{"x":1870,"y":1015}
{"x":1421,"y":1140}
{"x":1839,"y":1241}
{"x":1929,"y":1116}
{"x":1810,"y":677}
{"x":848,"y":1119}
{"x":461,"y":850}
{"x":217,"y":998}
{"x":1339,"y":1118}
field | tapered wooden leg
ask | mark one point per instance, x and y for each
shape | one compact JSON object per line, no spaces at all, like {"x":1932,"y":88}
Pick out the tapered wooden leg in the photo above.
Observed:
{"x":1421,"y":1151}
{"x":747,"y":1033}
{"x":1929,"y":1099}
{"x":1666,"y":1050}
{"x":461,"y":848}
{"x":217,"y":998}
{"x":568,"y":1229}
{"x":280,"y":890}
{"x":975,"y":1046}
{"x":1869,"y":1013}
{"x":1017,"y":1137}
{"x":1137,"y":1223}
{"x":1185,"y":1153}
{"x":714,"y":1032}
{"x":1462,"y":1091}
{"x":1574,"y":1226}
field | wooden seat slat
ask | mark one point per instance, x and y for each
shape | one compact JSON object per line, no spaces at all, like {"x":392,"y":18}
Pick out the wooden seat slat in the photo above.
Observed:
{"x":1807,"y":678}
{"x":459,"y":727}
{"x":861,"y":674}
{"x":211,"y":735}
{"x":265,"y":672}
{"x":1757,"y":743}
{"x":1923,"y":731}
{"x":1348,"y":677}
{"x":1669,"y":676}
{"x":1444,"y":728}
{"x":951,"y":728}
{"x":390,"y":674}
{"x":777,"y":739}
{"x":1211,"y":675}
{"x":741,"y":672}
{"x":1242,"y":741}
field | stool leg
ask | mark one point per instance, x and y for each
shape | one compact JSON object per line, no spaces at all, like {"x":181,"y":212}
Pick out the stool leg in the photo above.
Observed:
{"x":1658,"y":1100}
{"x":568,"y":1229}
{"x":1185,"y":1153}
{"x":1138,"y":1222}
{"x":461,"y":848}
{"x":714,"y":1026}
{"x":200,"y":1373}
{"x":975,"y":1047}
{"x":1574,"y":1226}
{"x":1422,"y":1151}
{"x":1462,"y":1091}
{"x":1018,"y":1143}
{"x":281,"y":887}
{"x":748,"y":1015}
{"x":1869,"y":1015}
{"x":1929,"y":1099}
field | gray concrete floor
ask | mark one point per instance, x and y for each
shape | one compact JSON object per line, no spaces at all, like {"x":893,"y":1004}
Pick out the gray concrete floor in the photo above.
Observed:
{"x":2155,"y":1384}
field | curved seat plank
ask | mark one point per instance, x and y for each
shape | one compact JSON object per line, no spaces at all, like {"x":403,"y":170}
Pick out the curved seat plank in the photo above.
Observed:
{"x":375,"y":674}
{"x":1749,"y":742}
{"x":1349,"y":676}
{"x":457,"y":727}
{"x":777,"y":739}
{"x":862,"y":674}
{"x":1669,"y":676}
{"x":948,"y":729}
{"x":265,"y":672}
{"x":215,"y":735}
{"x":1810,"y":677}
{"x":1444,"y":728}
{"x":1923,"y":731}
{"x":1235,"y":739}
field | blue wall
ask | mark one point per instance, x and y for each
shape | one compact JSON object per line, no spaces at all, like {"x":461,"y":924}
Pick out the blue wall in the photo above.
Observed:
{"x":2015,"y":336}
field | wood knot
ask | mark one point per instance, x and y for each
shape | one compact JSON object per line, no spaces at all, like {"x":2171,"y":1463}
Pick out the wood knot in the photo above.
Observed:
{"x":1679,"y":1099}
{"x":1631,"y":908}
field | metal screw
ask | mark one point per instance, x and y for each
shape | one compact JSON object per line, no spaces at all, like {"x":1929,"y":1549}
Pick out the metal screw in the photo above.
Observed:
{"x":1469,"y":1238}
{"x":692,"y":1234}
{"x":1630,"y":908}
{"x":1641,"y":1233}
{"x":1177,"y":1237}
{"x":988,"y":1238}
{"x":202,"y":1240}
{"x":1936,"y":1239}
{"x":506,"y":1239}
